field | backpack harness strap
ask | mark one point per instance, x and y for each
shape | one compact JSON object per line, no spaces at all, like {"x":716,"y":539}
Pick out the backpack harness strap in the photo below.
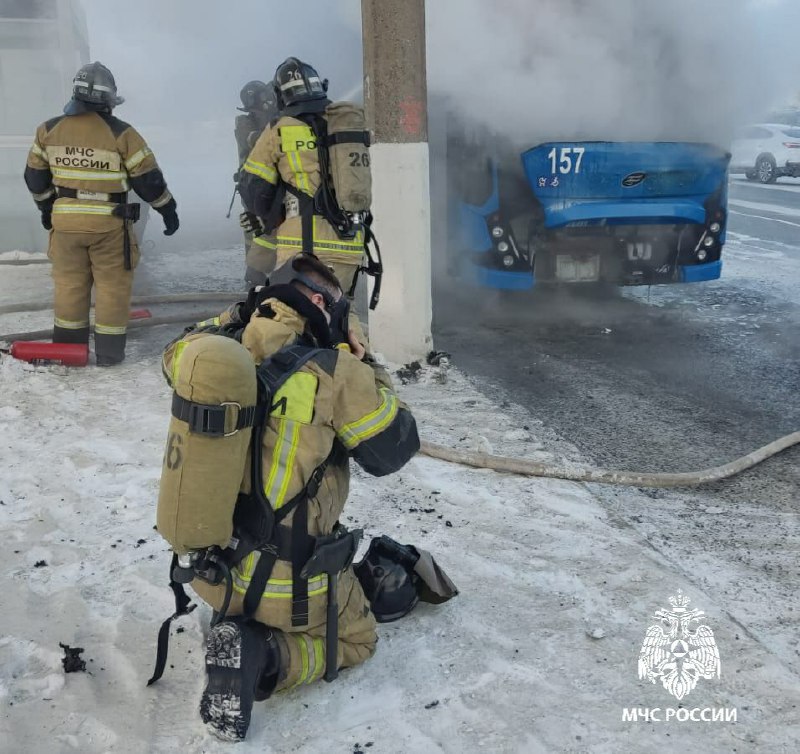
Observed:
{"x":213,"y":420}
{"x":292,"y":544}
{"x":374,"y":267}
{"x":183,"y":606}
{"x":348,"y":137}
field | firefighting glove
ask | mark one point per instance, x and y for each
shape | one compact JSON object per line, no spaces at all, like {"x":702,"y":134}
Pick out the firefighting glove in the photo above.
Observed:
{"x":46,"y":211}
{"x":171,"y":223}
{"x":170,"y":216}
{"x":251,"y":223}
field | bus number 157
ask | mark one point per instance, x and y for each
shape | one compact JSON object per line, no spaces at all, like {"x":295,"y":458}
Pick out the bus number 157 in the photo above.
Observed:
{"x":566,"y":160}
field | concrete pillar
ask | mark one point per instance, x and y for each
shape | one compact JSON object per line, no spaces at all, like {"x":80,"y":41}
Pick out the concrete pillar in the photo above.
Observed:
{"x":395,"y":97}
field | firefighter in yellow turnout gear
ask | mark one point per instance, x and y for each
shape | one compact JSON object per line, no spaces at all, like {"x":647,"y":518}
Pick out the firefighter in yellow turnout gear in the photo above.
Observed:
{"x":79,"y":171}
{"x":336,"y":406}
{"x":258,"y":109}
{"x":282,"y":178}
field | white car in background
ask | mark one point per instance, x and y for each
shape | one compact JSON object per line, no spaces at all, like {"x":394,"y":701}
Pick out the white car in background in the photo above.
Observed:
{"x":767,"y":151}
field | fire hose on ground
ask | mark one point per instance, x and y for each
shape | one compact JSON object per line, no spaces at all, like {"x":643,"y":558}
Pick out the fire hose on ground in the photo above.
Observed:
{"x":502,"y":464}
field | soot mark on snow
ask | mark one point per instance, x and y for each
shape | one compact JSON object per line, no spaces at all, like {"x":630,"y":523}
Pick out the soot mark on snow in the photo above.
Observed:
{"x":409,"y":372}
{"x":431,"y":705}
{"x":435,"y":358}
{"x":40,"y":564}
{"x":71,"y":660}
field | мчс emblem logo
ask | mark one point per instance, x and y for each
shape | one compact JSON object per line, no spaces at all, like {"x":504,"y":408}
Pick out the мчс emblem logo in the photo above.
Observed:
{"x":675,"y":653}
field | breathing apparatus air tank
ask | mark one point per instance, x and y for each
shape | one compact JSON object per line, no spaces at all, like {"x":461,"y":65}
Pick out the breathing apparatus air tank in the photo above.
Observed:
{"x":213,"y":410}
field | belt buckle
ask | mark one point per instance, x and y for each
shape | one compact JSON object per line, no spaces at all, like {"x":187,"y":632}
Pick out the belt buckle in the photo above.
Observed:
{"x":238,"y":415}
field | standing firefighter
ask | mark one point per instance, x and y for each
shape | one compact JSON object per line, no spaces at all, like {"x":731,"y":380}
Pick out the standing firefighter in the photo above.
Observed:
{"x":266,"y":414}
{"x":258,"y":108}
{"x":79,"y":170}
{"x":309,"y":176}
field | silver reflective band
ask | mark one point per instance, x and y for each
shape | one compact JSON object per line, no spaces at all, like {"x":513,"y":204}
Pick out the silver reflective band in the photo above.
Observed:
{"x":85,"y":85}
{"x":293,"y":83}
{"x":96,"y":196}
{"x":165,"y":198}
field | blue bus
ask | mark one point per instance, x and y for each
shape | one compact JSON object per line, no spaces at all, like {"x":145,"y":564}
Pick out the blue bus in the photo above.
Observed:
{"x":625,"y":213}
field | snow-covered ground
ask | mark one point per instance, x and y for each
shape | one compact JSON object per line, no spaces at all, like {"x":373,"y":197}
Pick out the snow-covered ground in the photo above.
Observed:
{"x":537,"y":654}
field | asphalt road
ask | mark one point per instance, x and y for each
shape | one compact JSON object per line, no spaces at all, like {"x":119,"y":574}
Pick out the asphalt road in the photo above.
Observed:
{"x":768,"y":212}
{"x":668,"y":378}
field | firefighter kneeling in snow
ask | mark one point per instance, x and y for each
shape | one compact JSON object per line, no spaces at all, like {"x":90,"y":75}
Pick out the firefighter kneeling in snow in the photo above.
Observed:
{"x":79,"y":170}
{"x":255,"y":477}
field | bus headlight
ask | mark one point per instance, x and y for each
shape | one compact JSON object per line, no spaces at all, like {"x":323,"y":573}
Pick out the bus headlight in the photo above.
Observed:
{"x":502,"y":247}
{"x":702,"y":255}
{"x":715,"y":227}
{"x":508,"y":260}
{"x":708,"y":242}
{"x":497,"y":231}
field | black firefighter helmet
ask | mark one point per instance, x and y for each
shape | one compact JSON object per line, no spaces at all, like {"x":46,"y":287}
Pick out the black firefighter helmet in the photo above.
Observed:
{"x":299,"y":89}
{"x":388,"y":578}
{"x":256,"y":95}
{"x":93,"y":89}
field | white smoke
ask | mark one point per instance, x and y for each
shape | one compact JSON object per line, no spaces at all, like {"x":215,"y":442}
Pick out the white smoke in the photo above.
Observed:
{"x":180,"y":64}
{"x":614,"y":69}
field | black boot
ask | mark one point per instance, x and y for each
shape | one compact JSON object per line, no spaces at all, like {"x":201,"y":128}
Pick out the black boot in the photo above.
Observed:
{"x":109,"y":349}
{"x":241,"y":657}
{"x":108,"y":361}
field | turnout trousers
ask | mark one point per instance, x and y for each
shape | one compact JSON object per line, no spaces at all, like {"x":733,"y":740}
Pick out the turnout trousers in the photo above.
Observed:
{"x":302,"y":649}
{"x":80,"y":261}
{"x":303,"y":659}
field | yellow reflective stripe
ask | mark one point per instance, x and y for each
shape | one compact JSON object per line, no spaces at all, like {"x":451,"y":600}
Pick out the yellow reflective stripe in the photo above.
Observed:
{"x":165,"y":198}
{"x":319,"y":659}
{"x":176,"y":358}
{"x":265,"y":242}
{"x":250,"y":565}
{"x":110,"y":329}
{"x":373,"y":423}
{"x":312,"y":659}
{"x":345,"y":247}
{"x":138,"y":158}
{"x":39,"y":152}
{"x":82,"y":209}
{"x":89,"y":175}
{"x":70,"y":324}
{"x":300,"y":175}
{"x":282,"y":461}
{"x":207,"y":322}
{"x":267,"y":172}
{"x":279,"y":589}
{"x":282,"y":588}
{"x":303,"y":659}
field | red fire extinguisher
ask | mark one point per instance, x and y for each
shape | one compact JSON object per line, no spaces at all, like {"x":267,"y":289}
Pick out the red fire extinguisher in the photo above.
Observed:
{"x":68,"y":354}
